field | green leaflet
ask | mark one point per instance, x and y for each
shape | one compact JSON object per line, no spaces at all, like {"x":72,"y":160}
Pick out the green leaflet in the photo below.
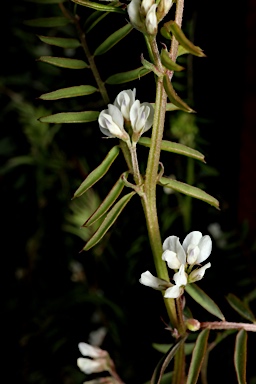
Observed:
{"x":71,"y":117}
{"x":240,"y":307}
{"x":98,"y":172}
{"x":64,"y":62}
{"x":93,"y":20}
{"x":173,"y":27}
{"x":113,"y":39}
{"x":60,"y":41}
{"x":107,"y":202}
{"x":109,"y":220}
{"x":124,"y":77}
{"x":174,"y":98}
{"x":189,"y":190}
{"x":240,"y":356}
{"x":168,"y":63}
{"x":80,"y":90}
{"x":173,"y":147}
{"x":198,"y":357}
{"x":46,"y":1}
{"x":99,"y":6}
{"x":165,"y":361}
{"x":204,"y":300}
{"x":48,"y":22}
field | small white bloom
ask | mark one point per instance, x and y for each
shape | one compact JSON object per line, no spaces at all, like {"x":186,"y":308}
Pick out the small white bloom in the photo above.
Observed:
{"x":91,"y":351}
{"x":111,"y":123}
{"x":135,"y":17}
{"x":89,"y":366}
{"x":198,"y":274}
{"x":153,"y":282}
{"x":141,"y":116}
{"x":151,"y":20}
{"x":124,"y":102}
{"x":197,"y":247}
{"x":174,"y":253}
{"x":180,"y":279}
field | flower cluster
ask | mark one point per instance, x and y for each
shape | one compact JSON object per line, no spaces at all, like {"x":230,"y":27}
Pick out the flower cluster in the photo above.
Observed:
{"x":145,"y":14}
{"x":96,"y":360}
{"x":194,"y":250}
{"x":126,"y":112}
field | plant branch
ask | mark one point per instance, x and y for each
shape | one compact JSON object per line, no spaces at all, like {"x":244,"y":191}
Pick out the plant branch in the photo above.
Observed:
{"x":228,"y":325}
{"x":76,"y":20}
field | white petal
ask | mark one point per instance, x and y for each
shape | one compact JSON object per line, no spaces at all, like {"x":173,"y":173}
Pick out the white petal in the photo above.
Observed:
{"x":145,"y":6}
{"x":134,"y":113}
{"x":150,"y":117}
{"x":124,"y":101}
{"x":89,"y":350}
{"x":192,"y":238}
{"x":180,"y":277}
{"x":198,"y":274}
{"x":193,"y":253}
{"x":89,"y":366}
{"x":153,"y":282}
{"x":151,"y":20}
{"x":173,"y":244}
{"x":133,"y":10}
{"x":116,"y":115}
{"x":205,"y":246}
{"x":171,"y":258}
{"x":173,"y":292}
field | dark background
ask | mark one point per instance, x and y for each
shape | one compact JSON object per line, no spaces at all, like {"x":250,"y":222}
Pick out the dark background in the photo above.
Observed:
{"x":44,"y":312}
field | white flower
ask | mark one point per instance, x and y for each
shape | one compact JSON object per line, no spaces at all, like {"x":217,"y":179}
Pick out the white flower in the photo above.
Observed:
{"x":142,"y":15}
{"x":111,"y":123}
{"x":197,"y":247}
{"x":198,"y":274}
{"x":153,"y":282}
{"x":141,"y":116}
{"x":91,"y":351}
{"x":89,"y":366}
{"x":174,"y":253}
{"x":151,"y":20}
{"x":180,"y":279}
{"x":135,"y":17}
{"x":124,"y":101}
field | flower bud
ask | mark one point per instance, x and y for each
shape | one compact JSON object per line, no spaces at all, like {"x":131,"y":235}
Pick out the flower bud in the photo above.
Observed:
{"x":193,"y":325}
{"x":163,"y":8}
{"x":89,"y":366}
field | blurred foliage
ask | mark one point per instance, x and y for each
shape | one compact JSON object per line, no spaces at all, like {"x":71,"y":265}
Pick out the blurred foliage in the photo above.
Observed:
{"x":54,"y":296}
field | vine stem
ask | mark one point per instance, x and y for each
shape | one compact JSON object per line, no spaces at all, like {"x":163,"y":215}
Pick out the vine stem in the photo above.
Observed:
{"x":228,"y":325}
